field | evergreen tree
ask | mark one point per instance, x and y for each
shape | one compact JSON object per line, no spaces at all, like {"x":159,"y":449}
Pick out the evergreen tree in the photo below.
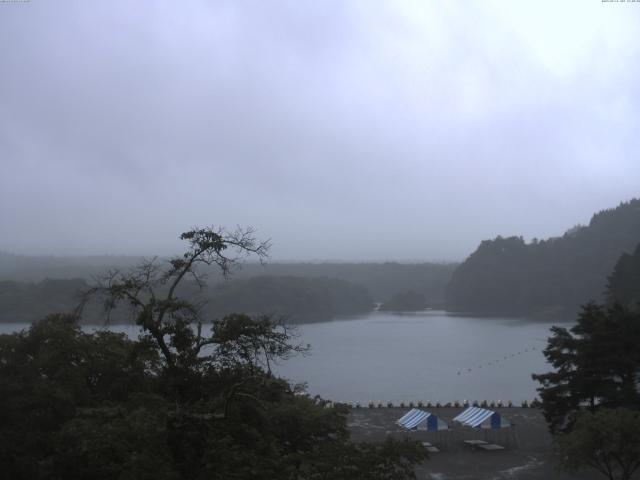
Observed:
{"x":624,"y":282}
{"x":596,"y":364}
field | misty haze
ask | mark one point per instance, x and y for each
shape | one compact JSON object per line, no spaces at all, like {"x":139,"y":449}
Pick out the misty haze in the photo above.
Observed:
{"x":319,"y":240}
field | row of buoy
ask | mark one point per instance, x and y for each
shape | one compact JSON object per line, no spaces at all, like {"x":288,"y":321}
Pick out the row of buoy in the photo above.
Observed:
{"x":456,"y":404}
{"x":495,"y":362}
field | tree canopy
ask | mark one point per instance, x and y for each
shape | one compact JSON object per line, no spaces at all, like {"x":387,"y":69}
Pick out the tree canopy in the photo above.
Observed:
{"x":181,"y":402}
{"x":607,"y":440}
{"x":596,"y":364}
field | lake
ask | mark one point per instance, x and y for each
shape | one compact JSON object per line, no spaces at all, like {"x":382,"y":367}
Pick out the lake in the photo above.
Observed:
{"x":429,"y":356}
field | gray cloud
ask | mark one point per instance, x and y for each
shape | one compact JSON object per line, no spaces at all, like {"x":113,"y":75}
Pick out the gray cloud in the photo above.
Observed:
{"x":342,"y":130}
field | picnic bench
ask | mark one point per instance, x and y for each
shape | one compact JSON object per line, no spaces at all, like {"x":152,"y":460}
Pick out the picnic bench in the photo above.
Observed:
{"x":430,"y":448}
{"x":481,"y":444}
{"x":475,"y":443}
{"x":490,"y":447}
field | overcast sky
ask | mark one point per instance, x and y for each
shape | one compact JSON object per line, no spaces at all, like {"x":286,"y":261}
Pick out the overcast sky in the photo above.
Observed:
{"x":344,"y":130}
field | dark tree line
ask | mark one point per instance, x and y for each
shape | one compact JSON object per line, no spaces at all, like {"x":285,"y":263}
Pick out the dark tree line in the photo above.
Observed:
{"x":299,"y":299}
{"x":26,"y":302}
{"x":554,"y":276}
{"x":382,"y":280}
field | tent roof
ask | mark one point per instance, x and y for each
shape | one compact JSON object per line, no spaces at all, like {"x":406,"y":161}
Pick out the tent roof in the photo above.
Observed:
{"x":481,"y":417}
{"x":421,"y":420}
{"x":413,"y":418}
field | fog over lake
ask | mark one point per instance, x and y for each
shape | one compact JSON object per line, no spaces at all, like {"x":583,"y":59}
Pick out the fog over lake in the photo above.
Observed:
{"x":341,"y":130}
{"x":428,"y":356}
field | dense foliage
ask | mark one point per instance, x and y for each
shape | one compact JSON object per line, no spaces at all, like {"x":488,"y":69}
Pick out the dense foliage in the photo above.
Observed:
{"x":178,"y":403}
{"x":607,"y":440}
{"x":75,"y":405}
{"x":596,"y":364}
{"x":552,"y":277}
{"x":405,"y":302}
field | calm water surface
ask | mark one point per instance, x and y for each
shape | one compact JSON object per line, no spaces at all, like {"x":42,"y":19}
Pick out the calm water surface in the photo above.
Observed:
{"x":428,"y":356}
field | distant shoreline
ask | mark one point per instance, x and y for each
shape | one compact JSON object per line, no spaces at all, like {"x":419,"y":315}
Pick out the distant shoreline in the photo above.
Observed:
{"x":306,"y":319}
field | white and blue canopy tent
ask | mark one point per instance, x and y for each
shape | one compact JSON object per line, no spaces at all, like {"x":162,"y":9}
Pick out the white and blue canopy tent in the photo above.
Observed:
{"x":420,"y":421}
{"x":417,"y":419}
{"x":476,"y":417}
{"x":486,"y":420}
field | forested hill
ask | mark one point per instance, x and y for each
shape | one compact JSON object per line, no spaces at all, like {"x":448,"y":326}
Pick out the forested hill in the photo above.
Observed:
{"x":296,"y":298}
{"x":382,"y":280}
{"x":546,"y":277}
{"x":26,"y":268}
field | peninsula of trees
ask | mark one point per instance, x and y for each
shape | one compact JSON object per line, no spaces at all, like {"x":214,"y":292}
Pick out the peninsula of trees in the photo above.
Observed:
{"x":409,"y":301}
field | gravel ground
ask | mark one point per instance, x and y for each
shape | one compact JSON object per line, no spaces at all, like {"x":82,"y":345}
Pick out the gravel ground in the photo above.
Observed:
{"x":528,"y":454}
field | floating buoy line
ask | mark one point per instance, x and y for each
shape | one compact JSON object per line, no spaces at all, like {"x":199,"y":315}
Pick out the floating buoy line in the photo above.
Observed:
{"x":497,"y":361}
